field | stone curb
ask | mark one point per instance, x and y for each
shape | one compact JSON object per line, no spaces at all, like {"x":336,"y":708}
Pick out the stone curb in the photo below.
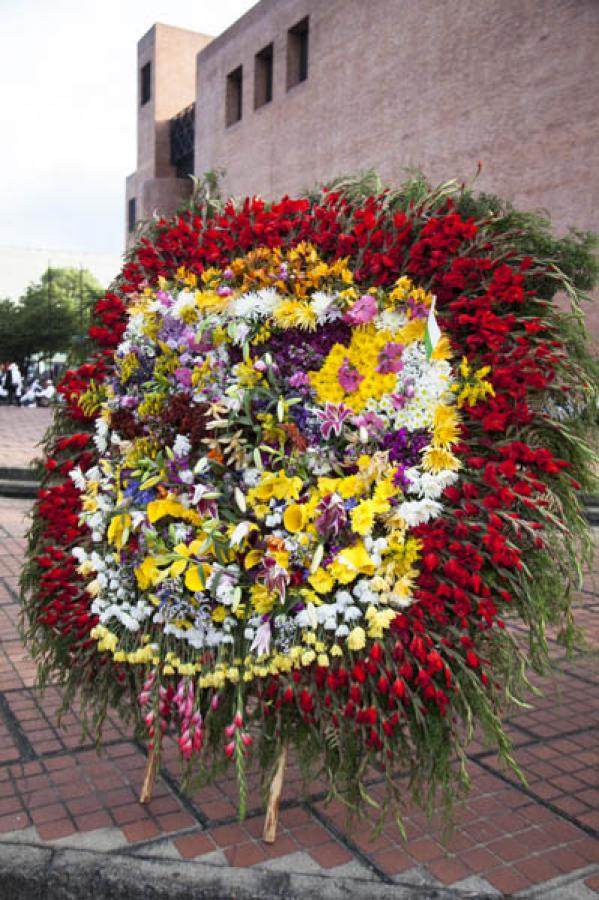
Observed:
{"x":19,"y":482}
{"x":43,"y":873}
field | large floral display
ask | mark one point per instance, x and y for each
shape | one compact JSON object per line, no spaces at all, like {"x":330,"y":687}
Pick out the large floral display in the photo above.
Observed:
{"x":327,"y":449}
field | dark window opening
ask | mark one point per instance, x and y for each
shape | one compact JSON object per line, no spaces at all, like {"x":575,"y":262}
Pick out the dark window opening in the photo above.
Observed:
{"x":182,"y":134}
{"x":263,"y":77}
{"x":234,"y":95}
{"x":146,"y":83}
{"x":131,"y":214}
{"x":297,"y":53}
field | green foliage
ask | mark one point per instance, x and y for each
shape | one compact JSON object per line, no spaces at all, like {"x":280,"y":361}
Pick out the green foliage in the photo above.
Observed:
{"x":52,"y":316}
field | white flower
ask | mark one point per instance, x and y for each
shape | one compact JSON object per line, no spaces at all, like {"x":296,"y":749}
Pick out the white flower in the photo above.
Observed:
{"x":323,"y":305}
{"x":415,"y":512}
{"x":261,"y":642}
{"x":77,"y":477}
{"x":251,"y":477}
{"x":182,"y":446}
{"x":101,"y":435}
{"x":240,"y":533}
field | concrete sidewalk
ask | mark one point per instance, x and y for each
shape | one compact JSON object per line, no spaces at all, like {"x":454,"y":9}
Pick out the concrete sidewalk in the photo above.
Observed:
{"x":71,"y":825}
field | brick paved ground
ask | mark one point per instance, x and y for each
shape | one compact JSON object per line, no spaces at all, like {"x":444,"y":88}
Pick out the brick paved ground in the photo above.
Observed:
{"x":540,"y":840}
{"x":21,"y":430}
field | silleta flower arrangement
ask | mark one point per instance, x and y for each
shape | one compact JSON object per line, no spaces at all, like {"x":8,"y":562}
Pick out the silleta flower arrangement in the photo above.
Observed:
{"x":311,"y":473}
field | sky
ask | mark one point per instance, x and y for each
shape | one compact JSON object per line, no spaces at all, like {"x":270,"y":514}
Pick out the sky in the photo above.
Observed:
{"x":68,"y":86}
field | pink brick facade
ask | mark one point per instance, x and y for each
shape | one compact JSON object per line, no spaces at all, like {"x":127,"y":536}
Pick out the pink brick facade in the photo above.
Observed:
{"x":394,"y":84}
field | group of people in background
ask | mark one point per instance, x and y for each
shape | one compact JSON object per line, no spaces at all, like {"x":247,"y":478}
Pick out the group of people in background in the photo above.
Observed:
{"x":34,"y":390}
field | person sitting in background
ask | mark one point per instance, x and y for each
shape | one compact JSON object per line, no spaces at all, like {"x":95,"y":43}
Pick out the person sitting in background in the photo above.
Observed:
{"x":31,"y":394}
{"x":47,"y":393}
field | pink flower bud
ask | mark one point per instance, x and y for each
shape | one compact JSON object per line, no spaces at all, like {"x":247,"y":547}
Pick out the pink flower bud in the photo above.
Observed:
{"x":229,"y":730}
{"x":246,"y":739}
{"x":238,"y":719}
{"x":214,"y":703}
{"x":230,"y":749}
{"x":149,"y":718}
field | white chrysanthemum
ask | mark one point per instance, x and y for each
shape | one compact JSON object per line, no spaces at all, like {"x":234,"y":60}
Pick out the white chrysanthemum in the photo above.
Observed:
{"x":390,"y":320}
{"x":415,"y":512}
{"x":325,"y":307}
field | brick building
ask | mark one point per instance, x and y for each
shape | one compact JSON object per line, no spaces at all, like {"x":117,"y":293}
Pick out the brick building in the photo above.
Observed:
{"x":298,"y":91}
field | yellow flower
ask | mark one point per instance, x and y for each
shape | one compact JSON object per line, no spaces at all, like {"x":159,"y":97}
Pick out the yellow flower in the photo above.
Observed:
{"x":351,"y":562}
{"x":262,"y":599}
{"x":362,"y":354}
{"x":252,"y":558}
{"x":308,"y":656}
{"x":436,"y":459}
{"x":218,"y":613}
{"x":356,"y":639}
{"x":118,"y":529}
{"x":157,"y":509}
{"x":378,"y":620}
{"x":195,"y":577}
{"x":277,"y":485}
{"x":362,"y":517}
{"x":446,"y":426}
{"x":148,"y":574}
{"x":294,"y":518}
{"x":442,"y":349}
{"x":293,"y":314}
{"x":322,"y":581}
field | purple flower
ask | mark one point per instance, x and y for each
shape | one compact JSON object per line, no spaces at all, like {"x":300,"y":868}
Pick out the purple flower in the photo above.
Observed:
{"x":363,"y":310}
{"x":183,"y":377}
{"x":332,"y":515}
{"x":400,"y":479}
{"x":300,"y":379}
{"x":405,"y":447}
{"x":418,"y":310}
{"x":390,"y":358}
{"x":349,"y":377}
{"x":408,"y":390}
{"x":332,"y":418}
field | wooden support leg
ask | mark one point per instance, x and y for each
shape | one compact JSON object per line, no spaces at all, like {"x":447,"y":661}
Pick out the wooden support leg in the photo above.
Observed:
{"x":147,"y":788}
{"x":274,"y":798}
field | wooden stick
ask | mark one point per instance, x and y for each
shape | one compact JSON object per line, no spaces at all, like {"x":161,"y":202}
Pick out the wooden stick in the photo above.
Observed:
{"x":274,"y":798}
{"x":147,"y":788}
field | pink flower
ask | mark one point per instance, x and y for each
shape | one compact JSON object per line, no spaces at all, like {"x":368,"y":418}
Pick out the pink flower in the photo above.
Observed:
{"x":370,"y":421}
{"x":332,"y":418}
{"x":332,"y":516}
{"x":363,"y":310}
{"x":349,"y":377}
{"x":390,"y":359}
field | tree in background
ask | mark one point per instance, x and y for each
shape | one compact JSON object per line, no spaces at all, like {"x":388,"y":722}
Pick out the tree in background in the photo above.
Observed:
{"x":52,"y":316}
